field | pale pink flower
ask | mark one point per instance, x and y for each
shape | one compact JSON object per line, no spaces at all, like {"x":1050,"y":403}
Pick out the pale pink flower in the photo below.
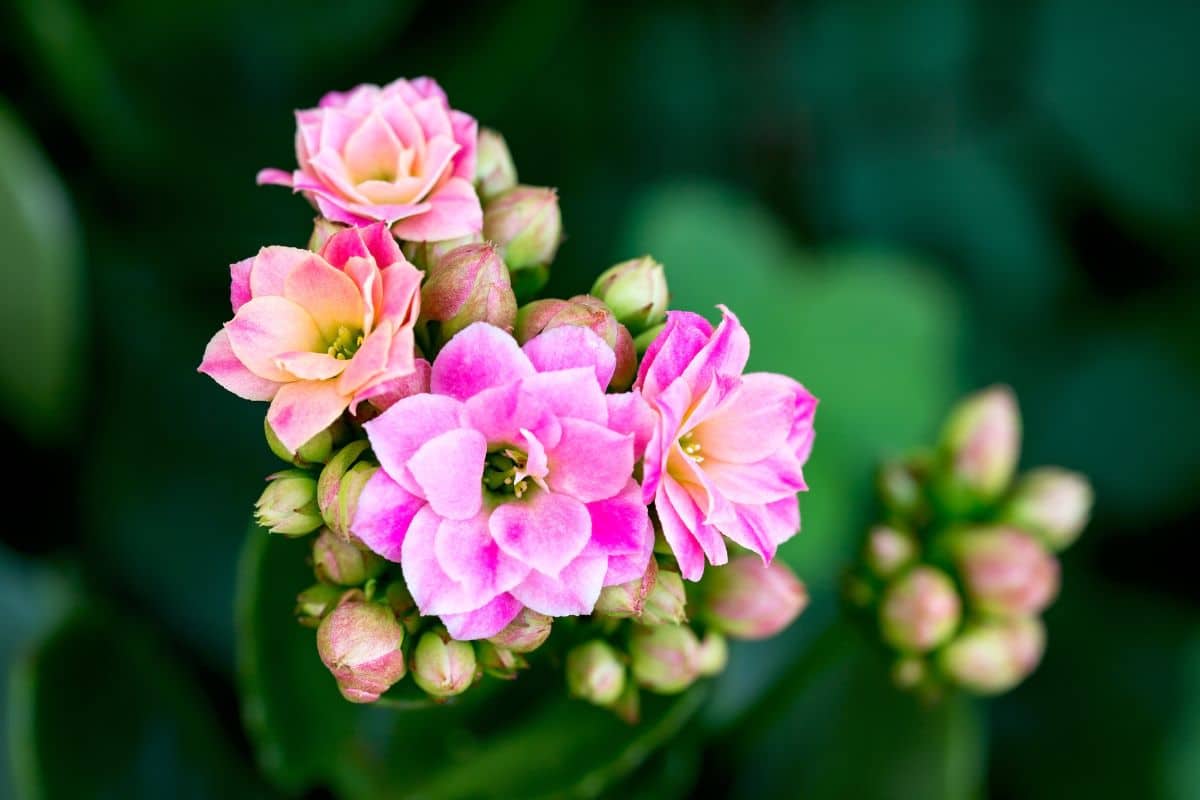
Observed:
{"x":397,"y":154}
{"x":510,"y":484}
{"x":727,"y":449}
{"x":317,"y":333}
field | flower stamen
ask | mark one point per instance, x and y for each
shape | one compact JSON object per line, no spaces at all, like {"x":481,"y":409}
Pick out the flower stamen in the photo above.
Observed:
{"x":691,"y":448}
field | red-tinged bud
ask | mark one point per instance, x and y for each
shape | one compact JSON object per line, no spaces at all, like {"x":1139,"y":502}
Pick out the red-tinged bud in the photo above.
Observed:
{"x":343,"y":563}
{"x":993,"y":657}
{"x":468,"y":284}
{"x":627,"y":600}
{"x":1053,"y":503}
{"x":664,"y":659}
{"x":525,"y":633}
{"x":629,"y":705}
{"x":980,"y":445}
{"x":586,"y":312}
{"x":595,"y":673}
{"x":636,"y":292}
{"x":442,"y":666}
{"x":666,"y":604}
{"x":288,"y":505}
{"x":359,"y":642}
{"x":920,"y":610}
{"x":889,"y":550}
{"x":526,"y":224}
{"x":1006,"y":571}
{"x":746,"y":599}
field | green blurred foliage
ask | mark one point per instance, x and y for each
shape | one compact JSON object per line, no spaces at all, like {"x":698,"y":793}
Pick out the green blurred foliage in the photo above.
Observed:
{"x":901,"y":202}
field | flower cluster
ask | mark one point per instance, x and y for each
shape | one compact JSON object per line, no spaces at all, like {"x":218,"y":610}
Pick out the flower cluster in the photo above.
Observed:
{"x":957,"y":573}
{"x":477,"y":463}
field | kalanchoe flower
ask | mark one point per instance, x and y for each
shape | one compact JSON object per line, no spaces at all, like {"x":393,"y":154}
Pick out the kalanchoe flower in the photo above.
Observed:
{"x":494,"y":169}
{"x":509,"y":485}
{"x":1006,"y":571}
{"x":595,"y":672}
{"x":713,"y":654}
{"x":628,"y":599}
{"x":468,"y":284}
{"x":980,"y":445}
{"x":526,"y":633}
{"x":526,"y":224}
{"x":343,"y":563}
{"x":442,"y":666}
{"x":315,"y":602}
{"x":1053,"y":503}
{"x":636,"y":292}
{"x":359,"y":641}
{"x":920,"y":610}
{"x":397,"y":154}
{"x":666,"y":658}
{"x":318,"y":333}
{"x":315,"y":451}
{"x":727,"y":449}
{"x":585,"y":312}
{"x":289,"y":504}
{"x":747,"y":600}
{"x":889,"y":550}
{"x":498,"y":662}
{"x":666,"y":604}
{"x":993,"y":657}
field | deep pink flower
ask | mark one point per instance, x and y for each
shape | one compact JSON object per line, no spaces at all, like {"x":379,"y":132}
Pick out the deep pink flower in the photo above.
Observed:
{"x":317,"y":333}
{"x":727,"y":449}
{"x":510,"y":483}
{"x":398,"y":154}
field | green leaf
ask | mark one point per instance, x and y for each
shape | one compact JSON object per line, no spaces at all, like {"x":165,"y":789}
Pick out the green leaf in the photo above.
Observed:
{"x":43,"y":304}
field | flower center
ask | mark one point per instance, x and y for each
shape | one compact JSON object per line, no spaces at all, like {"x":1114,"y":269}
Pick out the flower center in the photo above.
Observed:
{"x":346,"y":344}
{"x":691,"y":448}
{"x":504,"y":472}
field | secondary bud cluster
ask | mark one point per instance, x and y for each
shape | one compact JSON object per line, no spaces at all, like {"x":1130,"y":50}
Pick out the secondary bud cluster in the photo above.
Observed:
{"x":957,"y":573}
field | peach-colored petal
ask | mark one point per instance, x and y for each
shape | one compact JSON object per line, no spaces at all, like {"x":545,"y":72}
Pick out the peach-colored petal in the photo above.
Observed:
{"x":223,"y":366}
{"x":329,"y":295}
{"x":266,"y":328}
{"x":303,"y":409}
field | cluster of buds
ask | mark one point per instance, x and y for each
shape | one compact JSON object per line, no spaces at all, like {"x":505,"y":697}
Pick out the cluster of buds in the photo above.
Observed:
{"x":959,"y":570}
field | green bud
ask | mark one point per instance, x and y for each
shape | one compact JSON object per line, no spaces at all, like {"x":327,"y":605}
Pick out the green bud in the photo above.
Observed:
{"x":424,"y":255}
{"x":636,"y":291}
{"x":315,"y":602}
{"x":333,"y":483}
{"x":993,"y":657}
{"x":343,"y":563}
{"x":900,"y":488}
{"x":315,"y":451}
{"x":713,"y":654}
{"x":494,"y":169}
{"x":288,"y":505}
{"x":627,"y":600}
{"x":595,"y":673}
{"x":665,"y":658}
{"x":466,"y":285}
{"x":920,"y":610}
{"x":889,"y":550}
{"x":909,"y":672}
{"x":442,"y":666}
{"x":1052,"y":503}
{"x":525,"y":223}
{"x":526,"y":633}
{"x":666,"y":604}
{"x":498,"y":662}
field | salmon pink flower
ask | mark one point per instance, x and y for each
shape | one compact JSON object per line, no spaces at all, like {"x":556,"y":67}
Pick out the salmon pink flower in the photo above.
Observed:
{"x":509,"y":485}
{"x":727,"y":449}
{"x":397,"y":154}
{"x":317,"y":333}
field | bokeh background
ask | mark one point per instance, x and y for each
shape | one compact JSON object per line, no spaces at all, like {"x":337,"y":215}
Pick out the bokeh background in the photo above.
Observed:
{"x":902,"y":201}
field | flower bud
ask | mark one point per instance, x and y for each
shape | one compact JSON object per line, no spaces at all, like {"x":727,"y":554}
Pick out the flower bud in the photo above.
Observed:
{"x":289,"y":504}
{"x":900,"y":489}
{"x":665,"y":658}
{"x":333,"y":480}
{"x":526,"y":224}
{"x":595,"y":673}
{"x":920,"y":610}
{"x":994,"y":656}
{"x":315,"y":451}
{"x":908,"y":672}
{"x":713,"y":654}
{"x":315,"y":602}
{"x":443,"y":666}
{"x":322,"y":229}
{"x":889,"y":550}
{"x":667,"y":602}
{"x":981,"y":442}
{"x":343,"y":563}
{"x":359,"y":643}
{"x":636,"y":292}
{"x":525,"y":633}
{"x":1006,"y":571}
{"x":1053,"y":503}
{"x":746,"y":599}
{"x":498,"y":662}
{"x":629,"y":705}
{"x":468,"y":284}
{"x":646,"y":338}
{"x":586,"y":312}
{"x":627,"y":599}
{"x":424,"y":255}
{"x":494,"y":169}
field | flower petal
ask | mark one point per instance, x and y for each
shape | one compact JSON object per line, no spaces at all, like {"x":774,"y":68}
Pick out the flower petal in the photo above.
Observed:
{"x":223,"y":366}
{"x":477,"y":358}
{"x":753,"y":422}
{"x":671,"y":351}
{"x":311,"y":366}
{"x":329,"y":295}
{"x":502,"y":413}
{"x":239,"y":283}
{"x":449,"y":470}
{"x":401,"y":430}
{"x":271,"y":266}
{"x":575,"y":591}
{"x":267,"y":327}
{"x":590,"y":462}
{"x":571,"y":346}
{"x":385,"y":510}
{"x":569,"y":393}
{"x":368,"y":361}
{"x":628,"y":412}
{"x":682,"y":542}
{"x":454,"y":211}
{"x":483,"y":622}
{"x":303,"y":409}
{"x":467,"y":553}
{"x":621,"y":524}
{"x":544,"y":530}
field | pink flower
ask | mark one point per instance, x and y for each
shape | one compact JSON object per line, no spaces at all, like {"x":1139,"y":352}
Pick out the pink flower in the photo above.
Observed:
{"x":398,"y":154}
{"x":510,"y":484}
{"x":727,"y":449}
{"x":318,"y":333}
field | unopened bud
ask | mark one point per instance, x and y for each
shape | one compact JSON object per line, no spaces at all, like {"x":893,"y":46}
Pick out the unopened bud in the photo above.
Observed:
{"x":424,"y":255}
{"x":334,"y":481}
{"x":908,"y":672}
{"x":498,"y":662}
{"x":443,"y":666}
{"x":1006,"y":571}
{"x":981,"y":443}
{"x":644,"y":339}
{"x":667,"y":602}
{"x":994,"y":656}
{"x":322,"y":229}
{"x":525,"y":633}
{"x":582,"y":311}
{"x":889,"y":550}
{"x":468,"y":284}
{"x":315,"y":451}
{"x":343,"y":563}
{"x":1053,"y":503}
{"x":900,"y":488}
{"x":636,"y":292}
{"x":627,"y":600}
{"x":629,"y":705}
{"x":494,"y":169}
{"x":746,"y":599}
{"x":526,"y":224}
{"x":315,"y":602}
{"x":359,"y":642}
{"x":398,"y":598}
{"x":713,"y":654}
{"x":665,"y":658}
{"x":595,"y":672}
{"x":289,"y":504}
{"x":919,"y":610}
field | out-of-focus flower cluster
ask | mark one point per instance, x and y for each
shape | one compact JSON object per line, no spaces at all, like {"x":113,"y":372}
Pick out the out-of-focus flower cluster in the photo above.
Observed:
{"x":479,"y":469}
{"x":958,"y":571}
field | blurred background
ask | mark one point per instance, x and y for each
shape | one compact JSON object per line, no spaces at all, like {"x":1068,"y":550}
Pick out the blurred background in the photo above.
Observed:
{"x":903,"y":202}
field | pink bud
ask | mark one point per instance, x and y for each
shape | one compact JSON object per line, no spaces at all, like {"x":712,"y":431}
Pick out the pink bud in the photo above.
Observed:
{"x":595,"y":672}
{"x":585,"y":312}
{"x":920,"y":610}
{"x":343,"y":563}
{"x":468,"y":284}
{"x":889,"y":550}
{"x":994,"y":656}
{"x":525,"y":633}
{"x":667,"y":602}
{"x":627,"y":599}
{"x":982,"y":440}
{"x":443,"y":666}
{"x":746,"y":599}
{"x":665,"y":658}
{"x":1053,"y":503}
{"x":359,"y":642}
{"x":494,"y":169}
{"x":1006,"y":571}
{"x":424,"y":255}
{"x":526,"y":224}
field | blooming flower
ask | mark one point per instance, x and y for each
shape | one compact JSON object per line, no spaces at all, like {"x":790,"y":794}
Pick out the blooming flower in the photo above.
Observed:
{"x":317,"y":333}
{"x":510,"y":484}
{"x":727,"y":449}
{"x":397,"y":154}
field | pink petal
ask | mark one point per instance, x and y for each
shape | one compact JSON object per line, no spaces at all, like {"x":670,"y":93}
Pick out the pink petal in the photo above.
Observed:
{"x":433,"y":114}
{"x":382,"y":245}
{"x":401,"y":293}
{"x":544,"y":530}
{"x":477,"y":358}
{"x":569,"y":393}
{"x":311,"y":366}
{"x":671,"y":351}
{"x":691,"y":512}
{"x":239,"y":284}
{"x":574,"y":591}
{"x":748,"y":526}
{"x":223,"y":366}
{"x":274,"y":177}
{"x":763,"y":482}
{"x":466,"y":133}
{"x":682,"y":542}
{"x":401,"y":430}
{"x":454,"y":211}
{"x":590,"y":462}
{"x":368,"y":361}
{"x":621,"y":524}
{"x":386,"y":394}
{"x":628,"y":567}
{"x":266,"y":328}
{"x":572,"y":346}
{"x":434,"y":591}
{"x":783,"y":519}
{"x":385,"y":510}
{"x":754,"y":421}
{"x":329,"y":295}
{"x":303,"y":409}
{"x":629,"y":413}
{"x":372,"y":149}
{"x":272,"y":265}
{"x":502,"y":413}
{"x":725,"y":353}
{"x":483,"y":622}
{"x":449,"y":470}
{"x":468,"y":555}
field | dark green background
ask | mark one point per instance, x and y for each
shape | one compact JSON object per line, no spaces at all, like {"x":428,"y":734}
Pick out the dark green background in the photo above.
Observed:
{"x":902,"y":201}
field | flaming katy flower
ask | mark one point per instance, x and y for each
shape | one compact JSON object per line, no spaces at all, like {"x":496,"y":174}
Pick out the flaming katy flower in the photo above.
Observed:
{"x":510,"y":484}
{"x":397,"y":154}
{"x":727,"y":449}
{"x":316,"y":333}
